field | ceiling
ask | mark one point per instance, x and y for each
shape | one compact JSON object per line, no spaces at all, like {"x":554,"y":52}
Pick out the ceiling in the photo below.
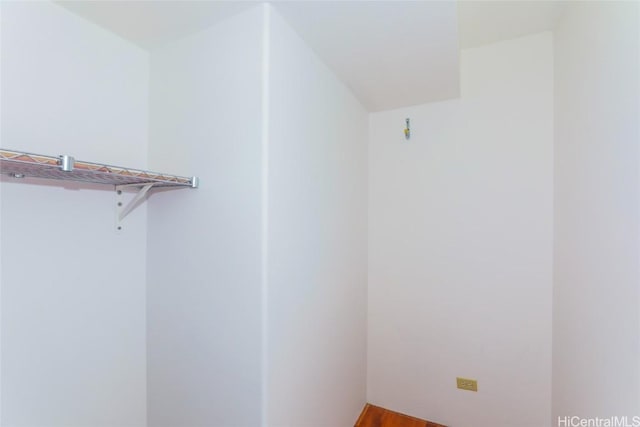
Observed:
{"x":389,"y":53}
{"x":484,"y":22}
{"x":152,"y":23}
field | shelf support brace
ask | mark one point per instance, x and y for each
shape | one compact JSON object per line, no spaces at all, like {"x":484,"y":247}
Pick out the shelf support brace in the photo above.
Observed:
{"x":123,"y":210}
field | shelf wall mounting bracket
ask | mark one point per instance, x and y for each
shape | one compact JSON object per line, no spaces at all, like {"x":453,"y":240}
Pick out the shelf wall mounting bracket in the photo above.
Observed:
{"x":122,"y":209}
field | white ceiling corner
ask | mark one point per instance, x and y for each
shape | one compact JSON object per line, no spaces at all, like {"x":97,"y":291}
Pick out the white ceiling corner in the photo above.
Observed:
{"x":484,"y":22}
{"x":390,"y":53}
{"x":152,"y":23}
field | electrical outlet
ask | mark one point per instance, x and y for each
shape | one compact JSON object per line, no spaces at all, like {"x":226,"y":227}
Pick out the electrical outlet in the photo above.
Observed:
{"x":467,"y":384}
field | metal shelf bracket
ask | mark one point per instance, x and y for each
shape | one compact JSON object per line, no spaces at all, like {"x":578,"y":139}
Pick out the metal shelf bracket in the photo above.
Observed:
{"x":122,"y":209}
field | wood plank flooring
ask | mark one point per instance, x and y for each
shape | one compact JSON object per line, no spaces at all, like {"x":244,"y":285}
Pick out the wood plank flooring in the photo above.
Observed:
{"x":375,"y":416}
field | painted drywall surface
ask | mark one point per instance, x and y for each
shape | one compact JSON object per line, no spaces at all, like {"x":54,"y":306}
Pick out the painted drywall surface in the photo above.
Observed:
{"x":0,"y":229}
{"x":371,"y":46}
{"x":204,"y":246}
{"x":596,"y":340}
{"x":460,"y":242}
{"x":73,"y":324}
{"x":317,"y":221}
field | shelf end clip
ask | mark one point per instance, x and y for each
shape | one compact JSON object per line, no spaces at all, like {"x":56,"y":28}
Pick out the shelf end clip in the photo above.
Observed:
{"x":195,"y":182}
{"x":66,"y":163}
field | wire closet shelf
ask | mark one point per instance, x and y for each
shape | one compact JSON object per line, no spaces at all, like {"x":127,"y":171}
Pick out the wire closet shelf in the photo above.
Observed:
{"x":21,"y":164}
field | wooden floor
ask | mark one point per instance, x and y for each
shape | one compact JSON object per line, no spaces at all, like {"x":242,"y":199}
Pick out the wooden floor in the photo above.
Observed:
{"x":374,"y":416}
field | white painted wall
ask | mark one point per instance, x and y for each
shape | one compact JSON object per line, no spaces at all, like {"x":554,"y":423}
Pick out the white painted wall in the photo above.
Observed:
{"x":460,"y":245}
{"x":0,"y":225}
{"x":204,"y":245}
{"x":73,"y":292}
{"x":596,"y":338}
{"x":317,"y":221}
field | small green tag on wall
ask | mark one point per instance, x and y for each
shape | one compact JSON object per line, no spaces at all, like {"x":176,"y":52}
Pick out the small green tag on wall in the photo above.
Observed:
{"x":407,"y":129}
